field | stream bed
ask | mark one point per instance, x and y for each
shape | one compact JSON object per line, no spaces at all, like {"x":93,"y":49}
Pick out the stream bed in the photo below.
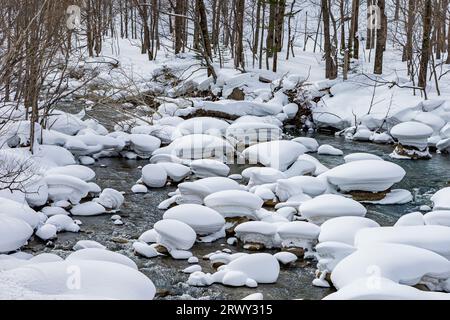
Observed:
{"x":139,"y":212}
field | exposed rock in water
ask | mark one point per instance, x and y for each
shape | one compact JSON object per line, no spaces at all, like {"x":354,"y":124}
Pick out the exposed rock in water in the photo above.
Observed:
{"x":254,"y":246}
{"x":410,"y":152}
{"x":368,"y":196}
{"x":237,"y":94}
{"x":235,"y":221}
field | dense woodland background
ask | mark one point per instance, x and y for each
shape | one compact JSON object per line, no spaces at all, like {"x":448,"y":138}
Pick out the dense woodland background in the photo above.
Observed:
{"x":37,"y":47}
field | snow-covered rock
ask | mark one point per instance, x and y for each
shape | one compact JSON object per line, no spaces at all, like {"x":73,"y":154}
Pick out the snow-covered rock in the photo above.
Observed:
{"x":145,"y":250}
{"x":365,"y":175}
{"x":97,"y":254}
{"x":100,"y":280}
{"x":46,"y":232}
{"x":257,"y":232}
{"x":310,"y":144}
{"x":198,"y":146}
{"x":259,"y":176}
{"x":88,"y":209}
{"x":431,"y":237}
{"x":344,"y":229}
{"x":383,"y":289}
{"x":139,"y":188}
{"x":174,"y":234}
{"x":195,"y":192}
{"x":202,"y":219}
{"x":328,"y":206}
{"x":14,"y":233}
{"x":154,"y":175}
{"x":86,"y":244}
{"x":361,"y":156}
{"x":77,"y":171}
{"x":439,"y":217}
{"x":298,"y":234}
{"x":411,"y":219}
{"x":326,"y":149}
{"x":110,"y":199}
{"x":275,"y":154}
{"x":63,"y":187}
{"x":63,"y":223}
{"x":250,"y":133}
{"x":441,"y":199}
{"x":19,"y":211}
{"x":400,"y":263}
{"x":234,"y":203}
{"x":175,"y":171}
{"x":205,"y":168}
{"x":285,"y":257}
{"x":311,"y":186}
{"x":413,"y":140}
{"x":246,"y":270}
{"x":144,"y":145}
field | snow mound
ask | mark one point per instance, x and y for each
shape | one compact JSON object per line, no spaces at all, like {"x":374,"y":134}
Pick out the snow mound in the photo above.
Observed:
{"x":205,"y":168}
{"x":441,"y":199}
{"x":154,"y":175}
{"x":242,"y":108}
{"x":234,"y":203}
{"x":400,"y":263}
{"x":111,"y":199}
{"x":257,"y":232}
{"x":328,"y":150}
{"x":99,"y":280}
{"x":195,"y":192}
{"x":344,"y":229}
{"x":90,"y":208}
{"x":310,"y":144}
{"x":365,"y":175}
{"x":412,"y":134}
{"x":14,"y":233}
{"x":298,"y":234}
{"x":380,"y":288}
{"x":63,"y":187}
{"x":275,"y":154}
{"x":77,"y":171}
{"x":430,"y":237}
{"x":203,"y":220}
{"x":328,"y":206}
{"x":174,"y":234}
{"x":361,"y":156}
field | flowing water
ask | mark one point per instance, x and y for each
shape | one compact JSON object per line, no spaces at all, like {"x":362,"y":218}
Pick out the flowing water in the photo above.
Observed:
{"x":140,"y":212}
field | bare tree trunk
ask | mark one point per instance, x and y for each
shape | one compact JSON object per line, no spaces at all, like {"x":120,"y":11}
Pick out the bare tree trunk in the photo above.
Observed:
{"x":426,"y":46}
{"x":353,"y":41}
{"x":381,"y":40}
{"x":239,"y":35}
{"x":257,"y":28}
{"x":329,"y":62}
{"x":179,"y":25}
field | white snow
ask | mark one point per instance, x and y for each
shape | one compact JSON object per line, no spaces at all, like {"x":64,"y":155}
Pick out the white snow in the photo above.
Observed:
{"x":397,"y":262}
{"x":202,"y":219}
{"x":174,"y":234}
{"x":205,"y":168}
{"x":14,"y":233}
{"x":344,"y":229}
{"x":326,"y":149}
{"x":365,"y":175}
{"x":234,"y":203}
{"x":275,"y":154}
{"x":328,"y":206}
{"x":154,"y":175}
{"x":88,"y":209}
